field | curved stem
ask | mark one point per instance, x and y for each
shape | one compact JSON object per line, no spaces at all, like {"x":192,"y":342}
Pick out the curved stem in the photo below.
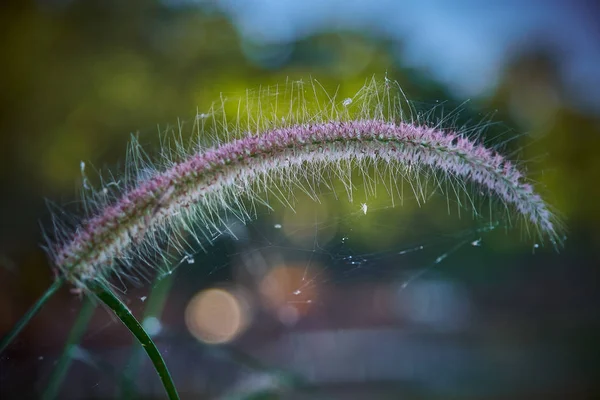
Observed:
{"x":154,"y":307}
{"x":58,"y":375}
{"x":12,"y":334}
{"x":121,"y":311}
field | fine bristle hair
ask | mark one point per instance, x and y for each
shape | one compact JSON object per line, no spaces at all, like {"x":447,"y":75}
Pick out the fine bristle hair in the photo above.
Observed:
{"x":264,"y":145}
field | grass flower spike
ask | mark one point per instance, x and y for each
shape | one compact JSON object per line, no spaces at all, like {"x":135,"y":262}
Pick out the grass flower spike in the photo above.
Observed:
{"x":193,"y":188}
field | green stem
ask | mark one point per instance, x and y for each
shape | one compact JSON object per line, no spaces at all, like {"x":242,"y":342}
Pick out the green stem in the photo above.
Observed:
{"x":138,"y":331}
{"x":10,"y":336}
{"x":58,"y":375}
{"x":154,"y":306}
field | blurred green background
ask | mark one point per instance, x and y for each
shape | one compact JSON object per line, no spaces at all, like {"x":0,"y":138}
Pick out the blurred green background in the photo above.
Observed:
{"x":77,"y":77}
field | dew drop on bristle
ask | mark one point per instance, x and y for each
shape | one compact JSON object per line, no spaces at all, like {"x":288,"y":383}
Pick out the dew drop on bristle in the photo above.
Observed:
{"x":364,"y":208}
{"x":476,"y":243}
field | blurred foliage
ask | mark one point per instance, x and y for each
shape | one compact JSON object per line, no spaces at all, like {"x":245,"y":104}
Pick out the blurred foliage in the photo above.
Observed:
{"x":77,"y":77}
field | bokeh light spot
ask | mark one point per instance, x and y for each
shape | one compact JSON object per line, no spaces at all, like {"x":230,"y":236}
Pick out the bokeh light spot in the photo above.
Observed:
{"x":216,"y":316}
{"x":290,"y":291}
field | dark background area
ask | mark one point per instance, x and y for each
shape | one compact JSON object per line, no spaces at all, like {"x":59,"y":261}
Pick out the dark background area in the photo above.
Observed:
{"x":77,"y":77}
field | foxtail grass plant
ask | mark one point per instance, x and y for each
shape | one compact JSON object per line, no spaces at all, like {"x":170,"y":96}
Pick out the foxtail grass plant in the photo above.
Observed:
{"x":283,"y":139}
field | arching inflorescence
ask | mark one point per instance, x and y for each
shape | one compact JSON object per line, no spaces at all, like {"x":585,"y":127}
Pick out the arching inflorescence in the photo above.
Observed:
{"x":304,"y":147}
